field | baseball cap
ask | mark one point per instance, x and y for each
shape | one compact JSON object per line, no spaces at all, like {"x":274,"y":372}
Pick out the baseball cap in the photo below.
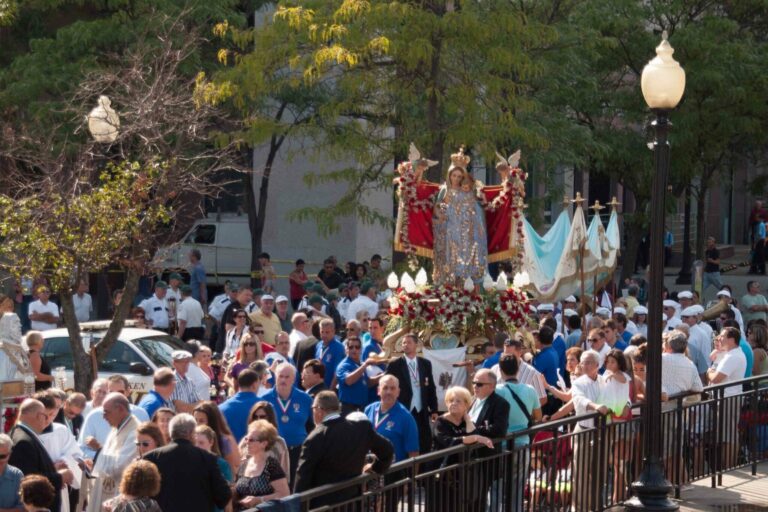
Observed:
{"x":267,"y":296}
{"x":185,"y":288}
{"x":546,"y":307}
{"x":723,"y":293}
{"x":279,"y":299}
{"x":175,"y":275}
{"x":689,"y":311}
{"x":619,"y":309}
{"x":161,"y":284}
{"x":685,"y":294}
{"x":641,"y":310}
{"x":570,"y":298}
{"x":671,"y":304}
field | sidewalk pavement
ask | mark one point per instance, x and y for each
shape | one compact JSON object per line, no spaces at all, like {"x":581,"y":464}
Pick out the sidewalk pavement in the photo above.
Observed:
{"x":740,"y":492}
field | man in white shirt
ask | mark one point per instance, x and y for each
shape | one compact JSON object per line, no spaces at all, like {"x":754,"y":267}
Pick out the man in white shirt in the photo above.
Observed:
{"x":190,"y":316}
{"x":43,"y":313}
{"x":302,"y":329}
{"x":156,"y":308}
{"x":82,"y":302}
{"x":731,"y":368}
{"x":699,"y":344}
{"x":670,"y":309}
{"x":526,"y":373}
{"x":220,"y":302}
{"x":585,"y":392}
{"x":365,"y":301}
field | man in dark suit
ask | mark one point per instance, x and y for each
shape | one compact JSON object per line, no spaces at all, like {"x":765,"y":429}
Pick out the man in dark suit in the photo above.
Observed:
{"x":71,"y":414}
{"x":418,"y":392}
{"x":28,"y":453}
{"x":490,"y":414}
{"x":335,"y":451}
{"x":304,"y":351}
{"x":191,"y":479}
{"x":313,"y":377}
{"x":489,"y":411}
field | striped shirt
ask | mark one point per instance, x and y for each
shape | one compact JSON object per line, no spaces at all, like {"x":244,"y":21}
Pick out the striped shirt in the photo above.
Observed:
{"x":185,"y":390}
{"x":527,"y":374}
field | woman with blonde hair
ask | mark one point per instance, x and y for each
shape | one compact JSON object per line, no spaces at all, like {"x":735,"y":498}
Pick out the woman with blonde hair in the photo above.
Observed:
{"x":260,"y":478}
{"x":140,"y":483}
{"x":263,"y":410}
{"x":43,"y":377}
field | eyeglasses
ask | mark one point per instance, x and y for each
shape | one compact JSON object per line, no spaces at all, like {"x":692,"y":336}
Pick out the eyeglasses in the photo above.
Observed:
{"x":259,"y":417}
{"x":592,"y":340}
{"x":354,"y":347}
{"x":254,"y":440}
{"x":249,"y":343}
{"x":257,"y":332}
{"x":479,"y":384}
{"x":143,"y":444}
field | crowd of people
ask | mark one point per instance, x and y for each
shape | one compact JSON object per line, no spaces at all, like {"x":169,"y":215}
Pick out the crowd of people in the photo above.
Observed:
{"x":270,"y":402}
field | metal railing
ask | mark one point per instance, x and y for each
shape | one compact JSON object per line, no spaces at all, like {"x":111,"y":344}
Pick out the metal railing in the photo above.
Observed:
{"x":582,"y":462}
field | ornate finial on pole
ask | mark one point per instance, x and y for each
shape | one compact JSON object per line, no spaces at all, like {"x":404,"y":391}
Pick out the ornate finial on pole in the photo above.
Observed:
{"x":566,"y":202}
{"x":597,"y":206}
{"x":578,"y":200}
{"x":614,"y":203}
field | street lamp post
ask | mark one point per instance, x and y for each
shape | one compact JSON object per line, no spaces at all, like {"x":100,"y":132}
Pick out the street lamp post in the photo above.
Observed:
{"x":662,"y":83}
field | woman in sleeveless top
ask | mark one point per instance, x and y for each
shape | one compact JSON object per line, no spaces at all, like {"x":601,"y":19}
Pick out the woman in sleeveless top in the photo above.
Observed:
{"x":260,"y":478}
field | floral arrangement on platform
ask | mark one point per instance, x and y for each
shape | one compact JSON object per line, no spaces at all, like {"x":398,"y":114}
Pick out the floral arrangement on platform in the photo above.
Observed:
{"x":467,"y":310}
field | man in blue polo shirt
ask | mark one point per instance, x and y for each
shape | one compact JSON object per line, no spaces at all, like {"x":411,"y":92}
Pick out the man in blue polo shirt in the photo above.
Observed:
{"x":329,"y":351}
{"x":546,"y":360}
{"x":160,"y":396}
{"x":392,"y":420}
{"x":373,"y":346}
{"x":352,"y":378}
{"x":236,"y":408}
{"x":293,"y":408}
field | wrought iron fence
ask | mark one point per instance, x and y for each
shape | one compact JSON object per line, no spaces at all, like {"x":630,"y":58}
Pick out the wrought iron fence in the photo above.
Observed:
{"x":582,"y":462}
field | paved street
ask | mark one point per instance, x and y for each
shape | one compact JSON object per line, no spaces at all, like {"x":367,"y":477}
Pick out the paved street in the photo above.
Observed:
{"x":740,"y":492}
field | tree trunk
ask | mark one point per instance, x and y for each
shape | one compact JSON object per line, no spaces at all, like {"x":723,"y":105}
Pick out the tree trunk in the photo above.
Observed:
{"x":85,"y":373}
{"x":257,"y":213}
{"x":81,"y":361}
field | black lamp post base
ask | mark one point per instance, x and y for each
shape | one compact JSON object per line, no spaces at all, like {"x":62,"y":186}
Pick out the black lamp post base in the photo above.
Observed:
{"x":684,"y":277}
{"x":652,"y":491}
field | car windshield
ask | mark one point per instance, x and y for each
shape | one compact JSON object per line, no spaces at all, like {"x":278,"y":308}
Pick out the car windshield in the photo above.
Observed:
{"x":158,"y":348}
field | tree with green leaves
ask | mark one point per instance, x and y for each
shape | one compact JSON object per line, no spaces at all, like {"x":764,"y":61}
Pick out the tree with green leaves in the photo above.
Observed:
{"x":73,"y":206}
{"x":357,"y":81}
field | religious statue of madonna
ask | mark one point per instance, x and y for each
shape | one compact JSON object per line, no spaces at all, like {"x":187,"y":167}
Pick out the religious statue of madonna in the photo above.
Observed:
{"x":461,"y":224}
{"x":460,"y":241}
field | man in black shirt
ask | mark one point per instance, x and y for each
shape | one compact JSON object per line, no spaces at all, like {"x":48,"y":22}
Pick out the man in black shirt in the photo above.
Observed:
{"x":711,"y":267}
{"x":330,"y":277}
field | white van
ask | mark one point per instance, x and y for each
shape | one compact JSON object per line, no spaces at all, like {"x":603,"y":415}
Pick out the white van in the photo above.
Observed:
{"x":224,"y":242}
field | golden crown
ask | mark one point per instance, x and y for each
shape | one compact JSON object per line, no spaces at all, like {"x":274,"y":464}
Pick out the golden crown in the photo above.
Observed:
{"x":460,"y":159}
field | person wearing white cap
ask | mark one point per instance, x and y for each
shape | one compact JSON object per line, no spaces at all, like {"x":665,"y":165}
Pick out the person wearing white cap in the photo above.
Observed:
{"x":640,"y":319}
{"x":603,"y":313}
{"x":281,"y":310}
{"x":685,"y":298}
{"x":184,"y":396}
{"x":670,"y":309}
{"x":724,"y":295}
{"x":267,"y":318}
{"x":699,"y":344}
